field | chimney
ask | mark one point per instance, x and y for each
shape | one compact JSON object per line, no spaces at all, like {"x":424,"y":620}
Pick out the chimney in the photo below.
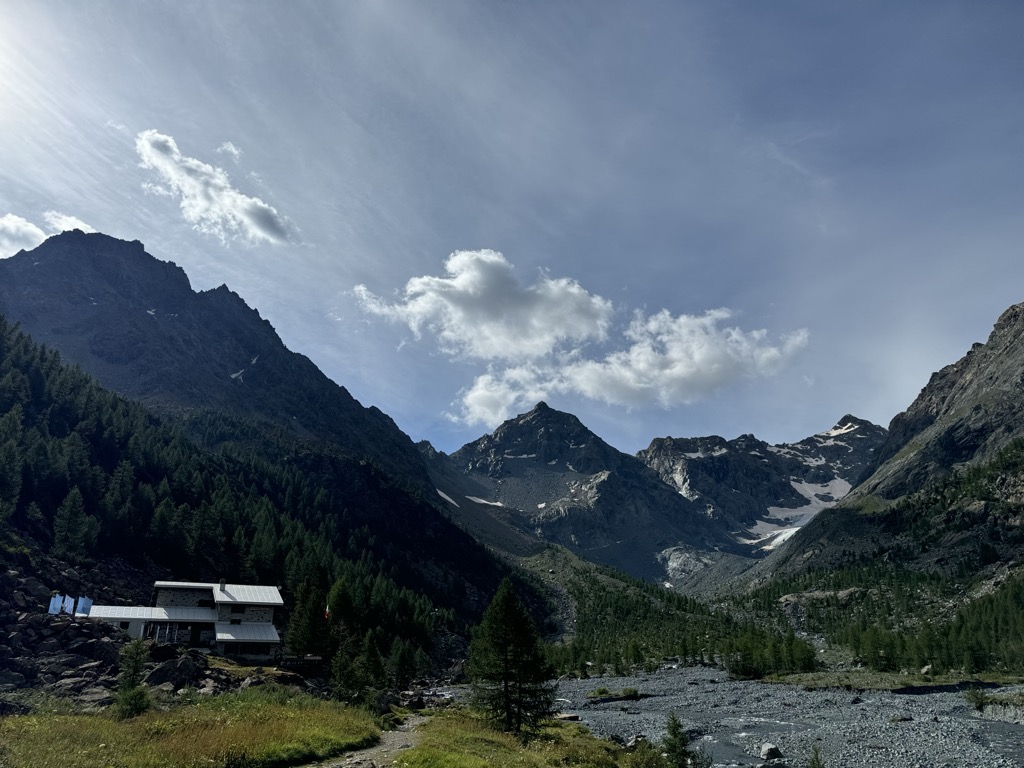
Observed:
{"x":223,"y":583}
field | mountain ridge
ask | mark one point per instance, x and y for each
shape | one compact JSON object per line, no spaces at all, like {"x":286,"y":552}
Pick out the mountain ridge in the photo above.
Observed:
{"x":134,"y":323}
{"x":662,"y":514}
{"x":966,"y":413}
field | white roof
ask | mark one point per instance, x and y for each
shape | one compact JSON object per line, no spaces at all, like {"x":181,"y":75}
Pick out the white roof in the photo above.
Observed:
{"x":252,"y":632}
{"x":250,"y":594}
{"x":158,"y":613}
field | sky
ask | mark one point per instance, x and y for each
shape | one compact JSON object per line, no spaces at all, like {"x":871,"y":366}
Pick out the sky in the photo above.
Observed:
{"x":668,"y":218}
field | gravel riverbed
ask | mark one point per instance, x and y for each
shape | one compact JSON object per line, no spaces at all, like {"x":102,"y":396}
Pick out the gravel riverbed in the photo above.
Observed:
{"x":733,"y":719}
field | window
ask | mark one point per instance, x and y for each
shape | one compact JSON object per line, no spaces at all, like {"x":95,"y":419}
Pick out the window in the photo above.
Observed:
{"x":238,"y":609}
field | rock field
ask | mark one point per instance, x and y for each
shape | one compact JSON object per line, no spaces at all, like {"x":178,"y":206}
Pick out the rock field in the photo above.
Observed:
{"x":734,"y":719}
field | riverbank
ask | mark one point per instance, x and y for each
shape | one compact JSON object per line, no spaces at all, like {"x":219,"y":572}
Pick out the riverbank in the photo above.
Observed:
{"x":732,"y":719}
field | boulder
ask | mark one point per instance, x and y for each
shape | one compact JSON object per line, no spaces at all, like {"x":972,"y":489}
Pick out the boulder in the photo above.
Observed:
{"x":12,"y":708}
{"x":39,"y":591}
{"x":770,"y":752}
{"x":96,"y":697}
{"x":11,"y":678}
{"x":181,"y":673}
{"x":48,"y":646}
{"x":69,"y":685}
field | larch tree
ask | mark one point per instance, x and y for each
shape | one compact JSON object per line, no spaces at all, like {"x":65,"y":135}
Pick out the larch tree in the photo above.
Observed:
{"x":510,"y":675}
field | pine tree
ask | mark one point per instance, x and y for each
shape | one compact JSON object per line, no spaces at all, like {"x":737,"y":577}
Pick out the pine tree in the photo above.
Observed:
{"x":507,"y":667}
{"x":73,"y":530}
{"x":676,"y":746}
{"x":132,"y":698}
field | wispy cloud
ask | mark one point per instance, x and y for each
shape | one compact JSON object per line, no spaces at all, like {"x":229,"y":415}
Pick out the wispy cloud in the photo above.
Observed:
{"x":208,"y":200}
{"x":535,"y":341}
{"x":17,"y":234}
{"x":228,"y":148}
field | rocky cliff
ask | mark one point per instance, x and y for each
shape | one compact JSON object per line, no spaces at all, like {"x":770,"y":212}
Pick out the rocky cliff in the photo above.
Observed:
{"x":965,"y":414}
{"x":766,"y":491}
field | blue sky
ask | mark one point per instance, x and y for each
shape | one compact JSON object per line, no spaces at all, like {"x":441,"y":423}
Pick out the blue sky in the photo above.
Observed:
{"x":667,"y":218}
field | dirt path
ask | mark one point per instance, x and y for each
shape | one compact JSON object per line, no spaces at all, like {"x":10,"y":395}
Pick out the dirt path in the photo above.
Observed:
{"x":382,"y":754}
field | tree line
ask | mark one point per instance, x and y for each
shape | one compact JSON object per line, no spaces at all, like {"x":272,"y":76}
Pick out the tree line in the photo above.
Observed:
{"x":87,"y":475}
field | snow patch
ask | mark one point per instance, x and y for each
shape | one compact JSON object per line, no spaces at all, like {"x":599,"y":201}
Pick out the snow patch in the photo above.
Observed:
{"x":702,"y":455}
{"x":446,"y":497}
{"x":841,"y":429}
{"x":484,"y":501}
{"x":683,"y":483}
{"x":542,"y":505}
{"x":782,"y":522}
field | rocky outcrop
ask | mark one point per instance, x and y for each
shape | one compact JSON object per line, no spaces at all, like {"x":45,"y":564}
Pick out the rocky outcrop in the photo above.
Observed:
{"x":60,"y":654}
{"x":65,"y":655}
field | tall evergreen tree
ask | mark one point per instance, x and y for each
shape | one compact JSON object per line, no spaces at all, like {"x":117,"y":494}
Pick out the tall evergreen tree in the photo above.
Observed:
{"x":511,"y":677}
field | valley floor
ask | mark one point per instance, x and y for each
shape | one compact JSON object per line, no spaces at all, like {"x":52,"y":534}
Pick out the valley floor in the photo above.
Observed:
{"x":734,"y":718}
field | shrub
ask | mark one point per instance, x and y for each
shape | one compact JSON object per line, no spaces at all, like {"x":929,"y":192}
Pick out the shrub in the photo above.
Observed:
{"x":131,"y":702}
{"x":978,"y":698}
{"x":644,"y":756}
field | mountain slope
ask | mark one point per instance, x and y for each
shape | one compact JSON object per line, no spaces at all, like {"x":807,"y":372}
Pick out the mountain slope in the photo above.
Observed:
{"x":316,"y":457}
{"x":966,"y":413}
{"x":545,"y":474}
{"x":674,"y":509}
{"x":135,"y":324}
{"x":766,"y":491}
{"x":944,"y":493}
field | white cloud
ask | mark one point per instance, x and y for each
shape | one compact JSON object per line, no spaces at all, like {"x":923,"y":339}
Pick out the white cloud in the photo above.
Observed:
{"x":63,"y":222}
{"x":672,"y":360}
{"x":675,"y":359}
{"x":228,"y":148}
{"x":481,"y":310}
{"x":17,"y":234}
{"x":208,"y":201}
{"x":530,"y":336}
{"x":497,"y":397}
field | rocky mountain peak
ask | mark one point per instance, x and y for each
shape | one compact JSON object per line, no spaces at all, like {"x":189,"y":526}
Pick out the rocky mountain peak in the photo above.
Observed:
{"x":543,"y":434}
{"x":134,"y":323}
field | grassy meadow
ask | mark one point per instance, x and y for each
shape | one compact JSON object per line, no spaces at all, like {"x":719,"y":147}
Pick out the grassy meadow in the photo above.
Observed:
{"x":462,"y":739}
{"x":258,"y":728}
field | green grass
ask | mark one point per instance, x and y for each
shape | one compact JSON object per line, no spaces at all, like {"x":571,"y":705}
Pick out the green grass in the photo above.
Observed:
{"x":631,"y":694}
{"x":458,"y":739}
{"x":870,"y":680}
{"x":259,"y":728}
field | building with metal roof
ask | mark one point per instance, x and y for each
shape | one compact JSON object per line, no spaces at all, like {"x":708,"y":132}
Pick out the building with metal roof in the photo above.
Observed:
{"x":231,"y":619}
